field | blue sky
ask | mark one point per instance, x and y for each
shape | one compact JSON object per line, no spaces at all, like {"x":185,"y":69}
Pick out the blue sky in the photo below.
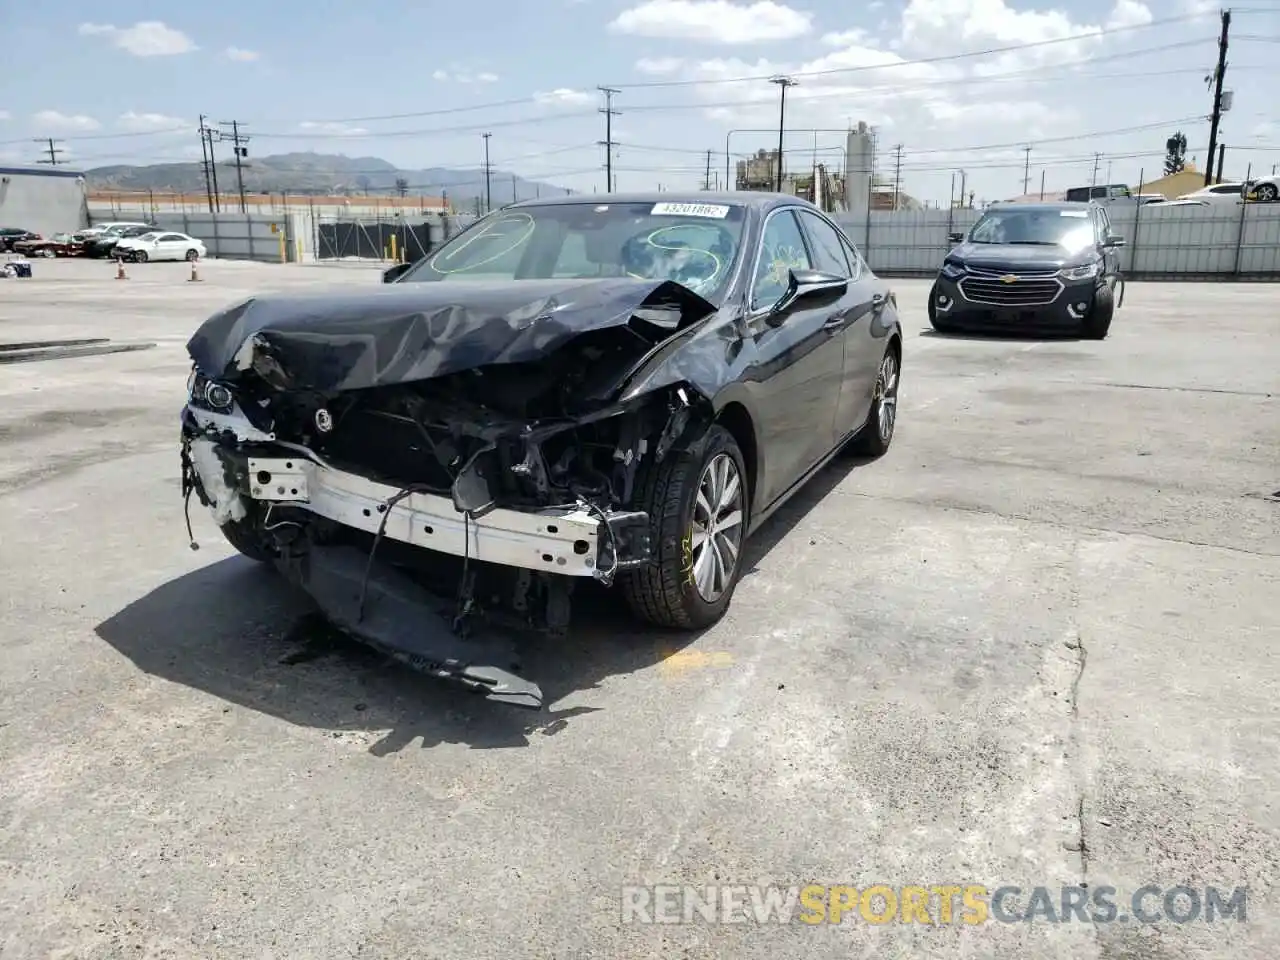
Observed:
{"x":125,"y":82}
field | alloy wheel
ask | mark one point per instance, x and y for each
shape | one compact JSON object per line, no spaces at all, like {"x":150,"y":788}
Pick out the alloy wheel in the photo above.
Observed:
{"x":716,"y":537}
{"x":887,"y":395}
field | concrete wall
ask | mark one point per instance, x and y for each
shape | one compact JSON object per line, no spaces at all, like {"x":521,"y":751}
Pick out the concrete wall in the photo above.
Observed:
{"x":1227,"y":240}
{"x":47,"y":201}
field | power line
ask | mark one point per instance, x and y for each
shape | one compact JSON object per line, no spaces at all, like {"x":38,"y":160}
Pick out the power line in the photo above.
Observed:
{"x":51,"y":150}
{"x":608,"y":141}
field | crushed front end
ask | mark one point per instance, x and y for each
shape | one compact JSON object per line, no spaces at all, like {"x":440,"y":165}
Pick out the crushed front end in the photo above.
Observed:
{"x":437,"y":519}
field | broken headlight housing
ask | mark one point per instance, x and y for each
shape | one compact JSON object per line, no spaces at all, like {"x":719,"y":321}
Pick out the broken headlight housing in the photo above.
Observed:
{"x":208,"y":394}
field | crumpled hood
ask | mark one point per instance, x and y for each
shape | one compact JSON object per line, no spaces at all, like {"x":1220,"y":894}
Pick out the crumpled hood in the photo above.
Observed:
{"x":1018,"y":256}
{"x":351,"y":339}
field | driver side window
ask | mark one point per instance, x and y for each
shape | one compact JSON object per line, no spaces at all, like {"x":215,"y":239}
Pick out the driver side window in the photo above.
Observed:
{"x":782,"y":250}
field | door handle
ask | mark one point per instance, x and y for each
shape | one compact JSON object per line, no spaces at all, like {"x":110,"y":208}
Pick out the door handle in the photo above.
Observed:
{"x":877,"y":301}
{"x":835,"y":320}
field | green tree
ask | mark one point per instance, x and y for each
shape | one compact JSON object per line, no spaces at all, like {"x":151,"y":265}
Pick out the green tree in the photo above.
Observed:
{"x":1175,"y":154}
{"x":402,"y":186}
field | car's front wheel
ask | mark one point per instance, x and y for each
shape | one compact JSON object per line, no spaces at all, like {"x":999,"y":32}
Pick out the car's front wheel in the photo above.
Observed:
{"x":140,"y":256}
{"x":698,"y":504}
{"x":192,"y":255}
{"x":1268,"y":192}
{"x":248,"y":540}
{"x":1098,"y":321}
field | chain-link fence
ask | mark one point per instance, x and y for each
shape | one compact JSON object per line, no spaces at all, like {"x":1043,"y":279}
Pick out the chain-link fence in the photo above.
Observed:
{"x":383,"y":238}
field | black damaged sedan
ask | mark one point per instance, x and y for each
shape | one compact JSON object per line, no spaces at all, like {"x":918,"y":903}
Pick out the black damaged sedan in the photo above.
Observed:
{"x":617,"y":389}
{"x":1050,"y":267}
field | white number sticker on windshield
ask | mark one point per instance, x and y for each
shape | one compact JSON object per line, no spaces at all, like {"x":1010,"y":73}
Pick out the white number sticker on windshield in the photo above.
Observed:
{"x":1073,"y":213}
{"x":713,"y":210}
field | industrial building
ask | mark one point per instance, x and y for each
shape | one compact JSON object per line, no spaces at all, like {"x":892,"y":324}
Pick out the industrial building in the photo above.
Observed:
{"x":849,"y":191}
{"x":43,"y":200}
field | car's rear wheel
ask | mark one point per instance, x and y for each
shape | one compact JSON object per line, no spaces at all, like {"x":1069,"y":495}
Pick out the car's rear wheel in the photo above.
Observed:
{"x":876,"y":435}
{"x":698,"y":504}
{"x":1098,"y":321}
{"x":1268,"y":192}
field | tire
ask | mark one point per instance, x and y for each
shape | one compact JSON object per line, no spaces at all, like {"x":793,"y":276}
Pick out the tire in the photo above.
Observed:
{"x":192,"y":255}
{"x":247,"y":540}
{"x":667,"y":592}
{"x":140,"y":256}
{"x":1268,"y":192}
{"x":876,"y":435}
{"x":1098,"y":321}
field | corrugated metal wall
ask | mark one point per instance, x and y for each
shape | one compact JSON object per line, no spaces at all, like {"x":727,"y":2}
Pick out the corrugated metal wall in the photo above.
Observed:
{"x":43,"y":201}
{"x":1223,"y":240}
{"x":228,"y":236}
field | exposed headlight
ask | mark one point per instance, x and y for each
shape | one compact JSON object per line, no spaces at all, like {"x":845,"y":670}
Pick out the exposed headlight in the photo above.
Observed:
{"x":1086,"y":272}
{"x":218,"y":396}
{"x":952,"y":270}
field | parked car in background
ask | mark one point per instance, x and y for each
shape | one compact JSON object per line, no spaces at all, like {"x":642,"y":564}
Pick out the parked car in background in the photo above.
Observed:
{"x":160,"y":245}
{"x":1217,"y":193}
{"x":618,"y":388}
{"x":1265,"y":189}
{"x":1031,"y":266}
{"x":11,"y":235}
{"x":1188,"y":202}
{"x":58,"y":245}
{"x":103,"y":244}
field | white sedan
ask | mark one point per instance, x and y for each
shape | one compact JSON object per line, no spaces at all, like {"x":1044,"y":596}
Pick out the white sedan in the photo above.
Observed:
{"x":160,"y":246}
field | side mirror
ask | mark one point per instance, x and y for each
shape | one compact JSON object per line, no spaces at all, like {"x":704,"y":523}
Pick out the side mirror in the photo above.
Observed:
{"x":1114,"y":241}
{"x":394,"y":273}
{"x":807,"y":285}
{"x":955,"y":237}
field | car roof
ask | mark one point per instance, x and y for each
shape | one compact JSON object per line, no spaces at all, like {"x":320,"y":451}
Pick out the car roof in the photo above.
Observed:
{"x":740,"y":198}
{"x":1056,"y":205}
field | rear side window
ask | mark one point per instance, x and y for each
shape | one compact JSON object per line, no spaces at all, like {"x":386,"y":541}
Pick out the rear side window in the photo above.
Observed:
{"x":828,"y":252}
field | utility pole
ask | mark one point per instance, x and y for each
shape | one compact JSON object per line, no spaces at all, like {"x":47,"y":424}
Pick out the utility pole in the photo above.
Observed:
{"x":607,"y":142}
{"x":1219,"y":73}
{"x":1093,"y":181}
{"x":488,"y":175}
{"x":514,"y":197}
{"x":204,"y":160}
{"x":1222,"y":154}
{"x":706,"y":183}
{"x":1026,"y":170}
{"x":783,"y":83}
{"x":897,"y":170}
{"x":51,"y":150}
{"x":241,"y":151}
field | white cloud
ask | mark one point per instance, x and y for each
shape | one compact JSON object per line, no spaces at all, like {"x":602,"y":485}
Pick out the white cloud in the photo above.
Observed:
{"x":464,"y":76}
{"x":239,"y":53}
{"x":331,"y":128}
{"x":659,"y":66}
{"x":148,"y":38}
{"x":5,"y":115}
{"x":845,"y":38}
{"x":1129,"y":13}
{"x":142,"y":122}
{"x":53,"y":120}
{"x":714,"y":21}
{"x":564,"y":96}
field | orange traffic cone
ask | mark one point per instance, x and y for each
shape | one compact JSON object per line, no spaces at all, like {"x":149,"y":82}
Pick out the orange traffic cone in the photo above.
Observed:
{"x":120,"y":274}
{"x":194,"y":276}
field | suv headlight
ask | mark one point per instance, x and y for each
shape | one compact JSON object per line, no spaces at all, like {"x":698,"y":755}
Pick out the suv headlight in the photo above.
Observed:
{"x":952,"y":270}
{"x":1086,"y":272}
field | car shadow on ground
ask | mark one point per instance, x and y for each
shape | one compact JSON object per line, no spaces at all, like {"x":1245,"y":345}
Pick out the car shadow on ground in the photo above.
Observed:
{"x":1001,"y":336}
{"x":239,"y":632}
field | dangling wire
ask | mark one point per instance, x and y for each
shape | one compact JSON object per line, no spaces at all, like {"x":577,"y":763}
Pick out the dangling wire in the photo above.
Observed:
{"x":462,"y":604}
{"x":377,"y":539}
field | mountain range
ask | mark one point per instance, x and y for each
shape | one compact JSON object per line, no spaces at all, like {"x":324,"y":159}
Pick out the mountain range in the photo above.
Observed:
{"x":322,"y":174}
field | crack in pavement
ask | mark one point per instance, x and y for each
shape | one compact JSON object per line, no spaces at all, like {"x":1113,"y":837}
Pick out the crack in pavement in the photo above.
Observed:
{"x":1058,"y":524}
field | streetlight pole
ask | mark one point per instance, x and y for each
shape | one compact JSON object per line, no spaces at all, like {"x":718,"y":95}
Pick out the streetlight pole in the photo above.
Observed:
{"x":783,"y":83}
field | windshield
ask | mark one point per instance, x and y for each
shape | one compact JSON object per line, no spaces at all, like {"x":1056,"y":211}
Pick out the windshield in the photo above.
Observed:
{"x":694,"y":244}
{"x":1056,"y":228}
